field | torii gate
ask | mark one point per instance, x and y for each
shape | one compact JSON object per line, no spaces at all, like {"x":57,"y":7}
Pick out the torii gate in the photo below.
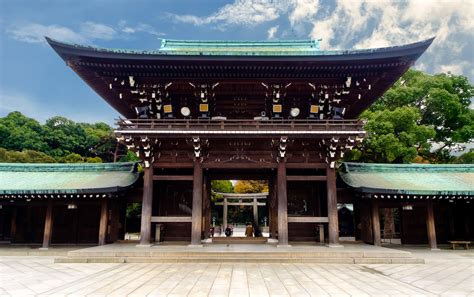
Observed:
{"x":238,"y":200}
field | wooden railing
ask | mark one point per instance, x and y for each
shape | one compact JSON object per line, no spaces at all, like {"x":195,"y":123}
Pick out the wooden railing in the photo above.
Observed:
{"x":240,"y":125}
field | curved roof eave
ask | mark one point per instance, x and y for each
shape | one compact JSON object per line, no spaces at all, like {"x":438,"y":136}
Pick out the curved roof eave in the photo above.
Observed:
{"x":66,"y":51}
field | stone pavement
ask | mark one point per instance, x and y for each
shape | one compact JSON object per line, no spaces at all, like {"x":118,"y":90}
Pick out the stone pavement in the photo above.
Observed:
{"x":446,"y":273}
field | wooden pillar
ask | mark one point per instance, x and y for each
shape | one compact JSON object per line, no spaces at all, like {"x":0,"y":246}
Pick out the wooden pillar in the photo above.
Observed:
{"x":255,"y":211}
{"x":206,"y":206}
{"x":196,"y":226}
{"x":282,"y":204}
{"x":147,"y":202}
{"x":333,"y":228}
{"x":467,"y":222}
{"x":376,"y":223}
{"x":430,"y":225}
{"x":13,"y":225}
{"x":104,"y":220}
{"x":114,"y":222}
{"x":48,"y":226}
{"x":224,"y":215}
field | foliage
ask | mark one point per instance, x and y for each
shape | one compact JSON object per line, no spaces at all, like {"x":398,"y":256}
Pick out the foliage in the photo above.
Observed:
{"x":442,"y":102}
{"x":61,"y":139}
{"x":466,"y":158}
{"x":25,"y":156}
{"x":251,"y":186}
{"x":220,"y":186}
{"x":393,"y":136}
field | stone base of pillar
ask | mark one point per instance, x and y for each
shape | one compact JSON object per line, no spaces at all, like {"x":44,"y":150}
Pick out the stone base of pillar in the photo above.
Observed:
{"x":334,"y":245}
{"x":195,"y":245}
{"x":144,"y":245}
{"x":283,"y":245}
{"x":436,"y":249}
{"x":43,"y":249}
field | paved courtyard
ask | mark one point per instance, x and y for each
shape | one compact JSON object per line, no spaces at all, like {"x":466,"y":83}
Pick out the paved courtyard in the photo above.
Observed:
{"x":446,"y":273}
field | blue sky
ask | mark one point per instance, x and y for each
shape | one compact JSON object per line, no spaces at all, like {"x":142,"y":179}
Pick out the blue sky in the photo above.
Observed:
{"x":34,"y":80}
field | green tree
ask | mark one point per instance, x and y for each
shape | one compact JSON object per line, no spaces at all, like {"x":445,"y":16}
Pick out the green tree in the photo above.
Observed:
{"x":442,"y":101}
{"x":466,"y":158}
{"x":251,"y":186}
{"x":220,"y":186}
{"x":393,"y":137}
{"x":25,"y":156}
{"x":18,"y":132}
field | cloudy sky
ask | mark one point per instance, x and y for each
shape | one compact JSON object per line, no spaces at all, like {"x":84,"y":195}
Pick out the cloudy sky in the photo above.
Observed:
{"x":34,"y":80}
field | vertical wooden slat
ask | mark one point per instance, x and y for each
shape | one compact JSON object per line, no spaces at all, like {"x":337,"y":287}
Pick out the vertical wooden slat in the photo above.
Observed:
{"x":376,"y":223}
{"x":333,"y":226}
{"x":104,"y":211}
{"x":13,"y":225}
{"x":430,"y":225}
{"x":196,"y":225}
{"x":48,"y":225}
{"x":282,"y":204}
{"x":145,"y":228}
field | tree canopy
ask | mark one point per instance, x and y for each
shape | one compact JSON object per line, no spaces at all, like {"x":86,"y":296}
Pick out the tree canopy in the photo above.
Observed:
{"x":422,"y":117}
{"x":23,"y":139}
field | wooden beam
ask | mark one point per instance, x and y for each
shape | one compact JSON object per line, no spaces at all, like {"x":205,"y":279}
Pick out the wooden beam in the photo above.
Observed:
{"x":172,"y":165}
{"x":214,"y":165}
{"x":48,"y":225}
{"x":306,"y":178}
{"x":147,"y":201}
{"x":333,"y":227}
{"x":240,"y":203}
{"x":173,"y":177}
{"x":376,"y":223}
{"x":196,"y":227}
{"x":282,"y":204}
{"x":104,"y":213}
{"x":306,"y":165}
{"x":430,"y":225}
{"x":170,"y":219}
{"x":308,"y":220}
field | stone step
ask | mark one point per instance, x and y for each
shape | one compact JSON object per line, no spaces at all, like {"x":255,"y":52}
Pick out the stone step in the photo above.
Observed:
{"x":239,"y":240}
{"x":168,"y":259}
{"x":239,"y":254}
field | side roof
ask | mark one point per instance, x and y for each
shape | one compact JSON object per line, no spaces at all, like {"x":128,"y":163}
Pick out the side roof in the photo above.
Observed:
{"x":28,"y":178}
{"x":410,"y":179}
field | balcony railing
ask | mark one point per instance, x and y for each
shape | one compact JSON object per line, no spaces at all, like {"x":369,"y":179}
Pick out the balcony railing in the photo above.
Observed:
{"x":208,"y":126}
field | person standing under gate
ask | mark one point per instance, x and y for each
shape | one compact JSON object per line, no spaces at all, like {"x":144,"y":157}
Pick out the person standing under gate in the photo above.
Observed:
{"x":249,"y":230}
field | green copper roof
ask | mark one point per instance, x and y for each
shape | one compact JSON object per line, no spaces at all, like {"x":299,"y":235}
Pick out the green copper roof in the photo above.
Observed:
{"x":410,"y":179}
{"x":66,"y":178}
{"x":247,"y":48}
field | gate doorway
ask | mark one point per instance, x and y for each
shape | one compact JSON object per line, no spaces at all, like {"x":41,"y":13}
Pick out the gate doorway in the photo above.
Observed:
{"x":240,"y":205}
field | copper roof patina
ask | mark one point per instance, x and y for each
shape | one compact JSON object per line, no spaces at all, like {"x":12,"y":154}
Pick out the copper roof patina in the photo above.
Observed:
{"x":17,"y":179}
{"x":410,"y":179}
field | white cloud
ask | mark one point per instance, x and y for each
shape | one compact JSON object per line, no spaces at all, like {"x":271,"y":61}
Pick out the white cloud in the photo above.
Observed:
{"x":271,"y":32}
{"x":35,"y":33}
{"x":87,"y":32}
{"x":459,"y":67}
{"x":241,"y":12}
{"x":303,"y":9}
{"x":141,"y":27}
{"x":93,"y":30}
{"x":254,"y":12}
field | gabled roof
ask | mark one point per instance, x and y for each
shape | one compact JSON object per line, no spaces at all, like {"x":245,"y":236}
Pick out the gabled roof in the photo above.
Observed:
{"x":17,"y":179}
{"x":410,"y":179}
